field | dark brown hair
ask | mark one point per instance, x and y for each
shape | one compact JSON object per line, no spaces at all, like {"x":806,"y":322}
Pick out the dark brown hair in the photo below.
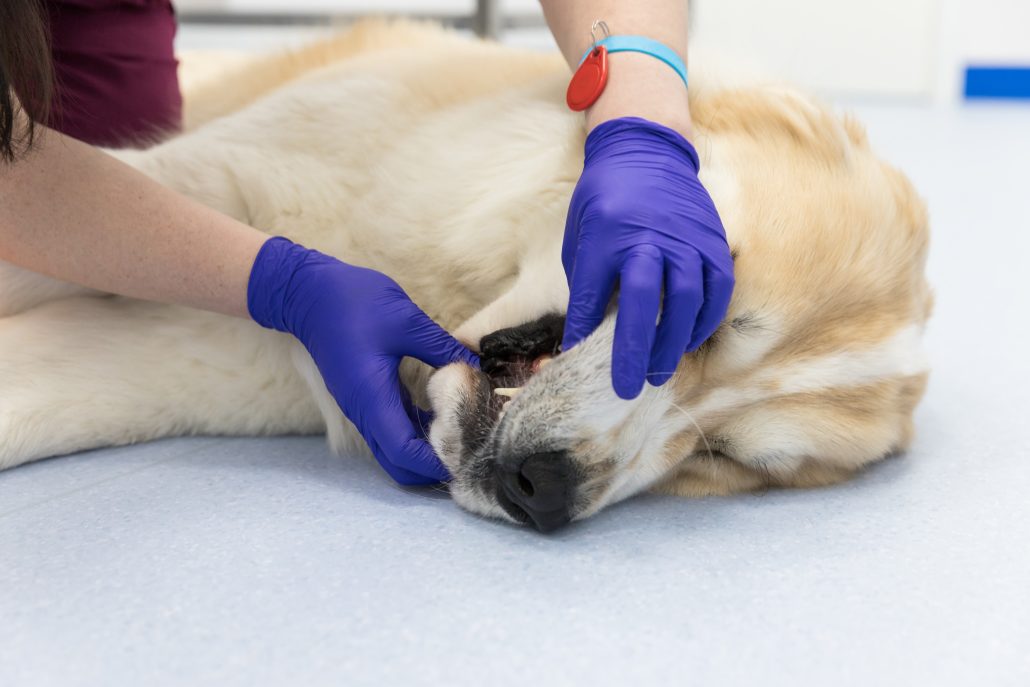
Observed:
{"x":26,"y":74}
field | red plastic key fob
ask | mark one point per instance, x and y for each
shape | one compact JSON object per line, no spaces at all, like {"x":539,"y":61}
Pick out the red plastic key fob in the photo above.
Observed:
{"x":589,"y":80}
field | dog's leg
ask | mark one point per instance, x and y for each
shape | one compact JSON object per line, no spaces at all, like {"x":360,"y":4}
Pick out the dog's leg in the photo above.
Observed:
{"x":87,"y":372}
{"x":703,"y":475}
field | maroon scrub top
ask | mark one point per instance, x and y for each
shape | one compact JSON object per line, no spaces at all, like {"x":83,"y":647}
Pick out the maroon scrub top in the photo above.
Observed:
{"x":117,"y":83}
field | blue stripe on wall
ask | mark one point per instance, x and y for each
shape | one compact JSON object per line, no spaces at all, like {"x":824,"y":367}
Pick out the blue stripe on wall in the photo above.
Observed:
{"x":997,"y":82}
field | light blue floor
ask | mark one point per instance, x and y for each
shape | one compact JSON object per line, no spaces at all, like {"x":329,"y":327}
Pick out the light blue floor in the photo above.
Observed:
{"x":268,"y":562}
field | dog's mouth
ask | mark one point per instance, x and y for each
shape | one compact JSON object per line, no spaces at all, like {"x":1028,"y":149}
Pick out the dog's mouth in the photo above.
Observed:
{"x":507,"y":378}
{"x":504,"y":432}
{"x":510,"y":357}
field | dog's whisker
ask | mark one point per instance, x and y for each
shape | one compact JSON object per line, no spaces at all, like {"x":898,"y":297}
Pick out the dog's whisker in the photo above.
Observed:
{"x":700,"y":431}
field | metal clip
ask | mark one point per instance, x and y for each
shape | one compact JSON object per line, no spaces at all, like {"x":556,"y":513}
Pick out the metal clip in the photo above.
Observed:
{"x":598,"y":24}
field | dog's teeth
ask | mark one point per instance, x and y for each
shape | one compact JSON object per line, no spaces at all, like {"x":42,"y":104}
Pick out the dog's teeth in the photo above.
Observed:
{"x":543,"y":362}
{"x":511,"y":392}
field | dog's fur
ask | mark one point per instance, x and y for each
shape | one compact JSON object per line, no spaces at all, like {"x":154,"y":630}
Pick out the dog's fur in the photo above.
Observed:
{"x":448,"y":164}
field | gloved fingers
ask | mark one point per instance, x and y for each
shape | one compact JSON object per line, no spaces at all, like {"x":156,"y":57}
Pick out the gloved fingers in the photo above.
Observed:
{"x":640,"y":290}
{"x":570,"y":240}
{"x":403,"y":477}
{"x":430,"y":343}
{"x":429,"y":466}
{"x":593,"y":281}
{"x":394,"y":432}
{"x":718,"y":291}
{"x":684,"y":294}
{"x":420,"y":419}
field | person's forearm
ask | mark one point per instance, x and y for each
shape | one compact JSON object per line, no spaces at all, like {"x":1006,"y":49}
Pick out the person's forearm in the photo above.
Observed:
{"x":638,"y":85}
{"x":72,"y":212}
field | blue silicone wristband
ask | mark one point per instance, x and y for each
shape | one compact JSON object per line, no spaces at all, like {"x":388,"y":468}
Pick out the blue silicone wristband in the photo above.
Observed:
{"x":645,"y":45}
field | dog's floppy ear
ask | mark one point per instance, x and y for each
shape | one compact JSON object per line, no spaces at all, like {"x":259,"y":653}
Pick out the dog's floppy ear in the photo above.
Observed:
{"x":521,"y":344}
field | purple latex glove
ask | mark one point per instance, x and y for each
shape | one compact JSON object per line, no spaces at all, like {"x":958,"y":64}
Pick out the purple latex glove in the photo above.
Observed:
{"x":640,"y":215}
{"x":357,"y":324}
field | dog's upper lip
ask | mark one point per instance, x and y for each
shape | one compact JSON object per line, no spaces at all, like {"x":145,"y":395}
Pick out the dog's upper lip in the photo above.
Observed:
{"x":506,"y":379}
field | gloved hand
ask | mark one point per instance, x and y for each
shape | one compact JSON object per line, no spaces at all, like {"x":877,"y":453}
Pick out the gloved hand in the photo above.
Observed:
{"x":639,"y":214}
{"x":357,"y":324}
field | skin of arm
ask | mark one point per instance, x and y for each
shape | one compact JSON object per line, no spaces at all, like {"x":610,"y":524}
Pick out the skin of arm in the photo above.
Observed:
{"x":638,"y":85}
{"x":70,"y":211}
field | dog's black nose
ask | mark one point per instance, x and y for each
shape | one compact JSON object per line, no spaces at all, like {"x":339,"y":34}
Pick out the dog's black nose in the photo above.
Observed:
{"x":540,"y":490}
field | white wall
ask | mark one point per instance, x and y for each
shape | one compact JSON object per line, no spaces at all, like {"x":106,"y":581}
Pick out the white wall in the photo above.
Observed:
{"x":867,"y":47}
{"x":894,"y":49}
{"x":996,"y":31}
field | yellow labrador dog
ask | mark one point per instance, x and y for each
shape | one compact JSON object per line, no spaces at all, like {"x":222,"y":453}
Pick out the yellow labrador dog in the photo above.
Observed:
{"x":448,"y":164}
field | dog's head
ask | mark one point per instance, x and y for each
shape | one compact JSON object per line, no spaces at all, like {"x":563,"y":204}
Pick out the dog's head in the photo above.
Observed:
{"x":537,"y":437}
{"x":814,"y":373}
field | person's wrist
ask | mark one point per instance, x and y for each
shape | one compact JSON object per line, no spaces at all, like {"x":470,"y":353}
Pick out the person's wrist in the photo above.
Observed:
{"x":611,"y":137}
{"x":266,"y":283}
{"x":641,"y":86}
{"x":277,"y":289}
